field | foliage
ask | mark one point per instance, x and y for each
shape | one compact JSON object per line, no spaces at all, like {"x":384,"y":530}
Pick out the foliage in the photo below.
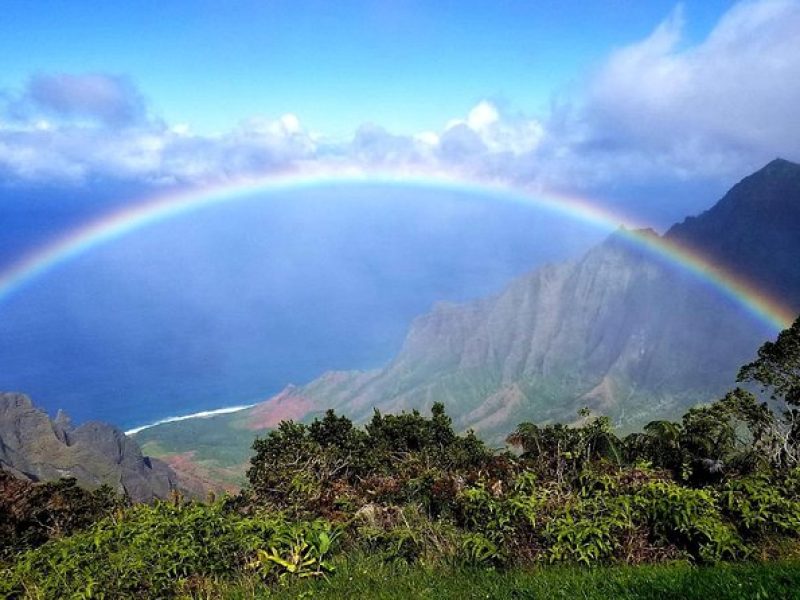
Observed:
{"x":160,"y":550}
{"x":574,"y":494}
{"x":777,"y":367}
{"x":691,"y":519}
{"x":561,"y":451}
{"x":321,"y":467}
{"x":32,"y":513}
{"x":735,"y":435}
{"x":760,"y":507}
{"x":297,"y":550}
{"x":407,"y":492}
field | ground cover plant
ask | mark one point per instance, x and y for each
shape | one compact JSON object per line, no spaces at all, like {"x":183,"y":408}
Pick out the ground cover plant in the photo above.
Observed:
{"x":409,"y":499}
{"x":368,"y":578}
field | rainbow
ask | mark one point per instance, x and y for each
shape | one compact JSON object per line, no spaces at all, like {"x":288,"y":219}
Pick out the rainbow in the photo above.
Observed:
{"x":103,"y":230}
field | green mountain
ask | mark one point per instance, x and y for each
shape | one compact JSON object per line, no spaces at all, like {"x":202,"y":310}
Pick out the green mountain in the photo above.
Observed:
{"x":618,"y":330}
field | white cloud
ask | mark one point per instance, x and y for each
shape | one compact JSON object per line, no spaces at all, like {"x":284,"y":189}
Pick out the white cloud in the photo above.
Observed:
{"x":482,"y":116}
{"x":659,"y":108}
{"x":724,"y":103}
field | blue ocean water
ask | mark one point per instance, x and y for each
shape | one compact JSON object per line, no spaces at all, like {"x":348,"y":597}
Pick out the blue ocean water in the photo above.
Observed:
{"x":228,"y":304}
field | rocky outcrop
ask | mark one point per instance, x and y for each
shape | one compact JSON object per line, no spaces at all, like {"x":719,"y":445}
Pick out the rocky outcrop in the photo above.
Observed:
{"x":37,"y":448}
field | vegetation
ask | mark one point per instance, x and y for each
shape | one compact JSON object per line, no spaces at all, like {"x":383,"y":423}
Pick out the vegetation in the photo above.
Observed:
{"x":30,"y":514}
{"x":408,"y":500}
{"x":363,"y":577}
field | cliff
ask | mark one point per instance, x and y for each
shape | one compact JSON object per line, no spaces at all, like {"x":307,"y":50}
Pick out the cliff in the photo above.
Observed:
{"x":35,"y":447}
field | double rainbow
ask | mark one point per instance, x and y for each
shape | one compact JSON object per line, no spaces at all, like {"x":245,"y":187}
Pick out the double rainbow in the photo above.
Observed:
{"x":770,"y":310}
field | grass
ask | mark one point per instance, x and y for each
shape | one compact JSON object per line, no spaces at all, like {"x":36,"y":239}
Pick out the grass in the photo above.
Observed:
{"x":374,"y":580}
{"x":222,"y":438}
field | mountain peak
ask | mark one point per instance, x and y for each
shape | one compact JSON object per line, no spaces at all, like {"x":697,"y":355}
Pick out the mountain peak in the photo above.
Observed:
{"x":779,"y":164}
{"x":778,"y":173}
{"x":40,"y":449}
{"x":771,"y":195}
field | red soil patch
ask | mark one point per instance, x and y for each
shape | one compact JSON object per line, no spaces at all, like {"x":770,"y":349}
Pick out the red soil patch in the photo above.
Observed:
{"x":283,"y":407}
{"x":200,"y":479}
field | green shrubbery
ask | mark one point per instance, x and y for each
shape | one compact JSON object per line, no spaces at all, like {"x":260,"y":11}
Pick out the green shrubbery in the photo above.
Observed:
{"x":410,"y":501}
{"x":721,"y":484}
{"x":167,"y":548}
{"x":408,"y":489}
{"x":32,"y":513}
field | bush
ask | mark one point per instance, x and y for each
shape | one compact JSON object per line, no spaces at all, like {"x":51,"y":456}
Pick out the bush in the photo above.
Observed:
{"x":307,"y":469}
{"x":32,"y":513}
{"x":156,"y":551}
{"x":691,"y":519}
{"x":757,"y":506}
{"x":590,"y":530}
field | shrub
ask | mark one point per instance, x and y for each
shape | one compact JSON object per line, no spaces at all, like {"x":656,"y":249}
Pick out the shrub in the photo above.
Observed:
{"x":32,"y":513}
{"x":590,"y":530}
{"x":691,"y":519}
{"x":758,"y":507}
{"x":155,"y":551}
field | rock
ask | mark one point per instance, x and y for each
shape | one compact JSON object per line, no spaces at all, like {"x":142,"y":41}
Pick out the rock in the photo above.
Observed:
{"x":40,"y":449}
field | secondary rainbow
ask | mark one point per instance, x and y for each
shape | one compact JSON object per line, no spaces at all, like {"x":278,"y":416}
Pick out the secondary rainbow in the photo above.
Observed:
{"x":770,"y":310}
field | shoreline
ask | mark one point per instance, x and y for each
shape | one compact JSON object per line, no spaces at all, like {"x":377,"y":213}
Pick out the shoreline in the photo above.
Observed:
{"x":204,"y":414}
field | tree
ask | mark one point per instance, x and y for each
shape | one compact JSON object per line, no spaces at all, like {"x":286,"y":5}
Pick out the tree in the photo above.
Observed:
{"x":777,"y":370}
{"x":560,"y":450}
{"x":777,"y":367}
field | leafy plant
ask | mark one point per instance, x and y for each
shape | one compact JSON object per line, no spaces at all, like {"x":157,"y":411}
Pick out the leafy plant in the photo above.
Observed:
{"x":478,"y":550}
{"x":757,"y":506}
{"x":297,"y":550}
{"x":691,"y":519}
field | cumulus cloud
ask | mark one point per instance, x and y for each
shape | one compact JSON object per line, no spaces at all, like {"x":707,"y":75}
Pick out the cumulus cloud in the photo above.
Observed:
{"x":112,"y":100}
{"x":659,"y":108}
{"x":720,"y":105}
{"x":500,"y":132}
{"x":81,"y":127}
{"x":38,"y":145}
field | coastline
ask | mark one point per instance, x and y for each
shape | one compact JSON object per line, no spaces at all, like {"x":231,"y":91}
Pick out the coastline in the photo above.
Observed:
{"x":205,"y":414}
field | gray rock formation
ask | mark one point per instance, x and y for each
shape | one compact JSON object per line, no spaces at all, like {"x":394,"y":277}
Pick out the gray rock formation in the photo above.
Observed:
{"x":40,"y":449}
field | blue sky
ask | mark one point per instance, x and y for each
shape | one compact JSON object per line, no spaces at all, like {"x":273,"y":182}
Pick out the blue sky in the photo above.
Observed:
{"x":643,"y":104}
{"x":408,"y":66}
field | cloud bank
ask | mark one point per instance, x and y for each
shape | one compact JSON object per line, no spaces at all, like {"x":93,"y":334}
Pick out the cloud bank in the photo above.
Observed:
{"x":658,"y":108}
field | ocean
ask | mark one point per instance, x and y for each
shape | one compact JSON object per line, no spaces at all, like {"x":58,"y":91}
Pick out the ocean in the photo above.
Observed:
{"x":226,"y":305}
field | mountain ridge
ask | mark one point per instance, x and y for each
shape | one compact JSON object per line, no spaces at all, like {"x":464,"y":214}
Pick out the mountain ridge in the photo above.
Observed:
{"x":37,"y":448}
{"x":619,"y":329}
{"x":596,"y":331}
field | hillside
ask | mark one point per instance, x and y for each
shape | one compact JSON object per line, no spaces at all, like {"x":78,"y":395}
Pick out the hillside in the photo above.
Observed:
{"x":618,"y":330}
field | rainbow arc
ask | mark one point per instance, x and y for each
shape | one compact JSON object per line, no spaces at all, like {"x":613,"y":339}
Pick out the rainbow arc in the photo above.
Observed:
{"x":770,"y":310}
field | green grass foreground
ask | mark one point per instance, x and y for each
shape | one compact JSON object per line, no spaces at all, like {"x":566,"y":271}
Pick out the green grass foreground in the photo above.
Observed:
{"x":373,"y":579}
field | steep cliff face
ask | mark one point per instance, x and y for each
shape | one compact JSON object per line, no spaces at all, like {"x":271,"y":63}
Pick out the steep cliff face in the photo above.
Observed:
{"x":37,"y":448}
{"x":754,"y":228}
{"x":619,"y":330}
